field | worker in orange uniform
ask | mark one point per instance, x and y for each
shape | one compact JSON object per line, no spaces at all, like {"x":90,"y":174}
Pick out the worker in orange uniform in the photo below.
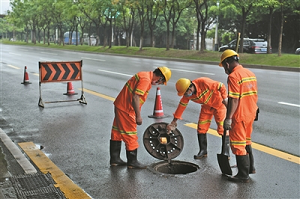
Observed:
{"x":128,"y":115}
{"x":213,"y":97}
{"x":241,"y":112}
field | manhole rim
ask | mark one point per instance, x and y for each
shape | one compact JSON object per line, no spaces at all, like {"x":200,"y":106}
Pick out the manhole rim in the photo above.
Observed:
{"x":154,"y":165}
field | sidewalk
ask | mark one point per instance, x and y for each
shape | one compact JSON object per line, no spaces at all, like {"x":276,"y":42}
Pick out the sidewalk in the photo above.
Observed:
{"x":19,"y":179}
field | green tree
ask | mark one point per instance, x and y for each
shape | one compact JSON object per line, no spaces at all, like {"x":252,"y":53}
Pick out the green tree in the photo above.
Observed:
{"x":44,"y":7}
{"x":167,"y":13}
{"x":244,"y":6}
{"x":128,"y":14}
{"x":18,"y":16}
{"x":141,"y":6}
{"x":178,"y":8}
{"x":153,"y":11}
{"x":287,"y":7}
{"x":202,"y":17}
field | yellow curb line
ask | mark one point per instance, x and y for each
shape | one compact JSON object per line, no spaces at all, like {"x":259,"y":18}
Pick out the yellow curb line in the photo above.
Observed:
{"x":262,"y":148}
{"x":66,"y":185}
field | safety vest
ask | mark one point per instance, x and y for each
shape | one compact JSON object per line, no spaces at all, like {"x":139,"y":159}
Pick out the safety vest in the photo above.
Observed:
{"x":140,"y":84}
{"x":242,"y":85}
{"x":208,"y":92}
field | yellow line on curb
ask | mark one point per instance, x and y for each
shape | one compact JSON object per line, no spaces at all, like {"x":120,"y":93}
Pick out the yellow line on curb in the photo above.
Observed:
{"x":66,"y":185}
{"x":262,"y":148}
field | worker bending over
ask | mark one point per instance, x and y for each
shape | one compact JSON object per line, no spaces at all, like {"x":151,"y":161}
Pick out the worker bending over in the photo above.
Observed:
{"x":128,"y":114}
{"x":213,"y":97}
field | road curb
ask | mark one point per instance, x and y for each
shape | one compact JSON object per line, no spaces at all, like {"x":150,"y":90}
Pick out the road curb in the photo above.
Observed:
{"x":17,"y":154}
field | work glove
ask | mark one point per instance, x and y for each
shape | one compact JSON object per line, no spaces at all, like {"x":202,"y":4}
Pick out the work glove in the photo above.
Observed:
{"x":227,"y":124}
{"x":171,"y":127}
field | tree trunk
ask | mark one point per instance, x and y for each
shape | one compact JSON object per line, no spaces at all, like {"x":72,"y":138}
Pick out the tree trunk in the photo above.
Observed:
{"x":198,"y":33}
{"x":98,"y":35}
{"x":33,"y":39}
{"x":167,"y":36}
{"x":44,"y":38}
{"x":241,"y":49}
{"x":270,"y":30}
{"x":141,"y":42}
{"x":105,"y":34}
{"x":281,"y":31}
{"x":48,"y":35}
{"x":152,"y":38}
{"x":202,"y":38}
{"x":76,"y":29}
{"x":173,"y":36}
{"x":127,"y":39}
{"x":110,"y":33}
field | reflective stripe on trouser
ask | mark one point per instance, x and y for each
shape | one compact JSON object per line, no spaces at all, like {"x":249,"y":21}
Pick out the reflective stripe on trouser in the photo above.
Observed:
{"x":205,"y":118}
{"x":124,"y":128}
{"x":240,"y":135}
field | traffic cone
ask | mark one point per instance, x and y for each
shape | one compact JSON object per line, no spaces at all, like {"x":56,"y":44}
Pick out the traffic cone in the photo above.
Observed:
{"x":158,"y":109}
{"x":26,"y":77}
{"x":70,"y":90}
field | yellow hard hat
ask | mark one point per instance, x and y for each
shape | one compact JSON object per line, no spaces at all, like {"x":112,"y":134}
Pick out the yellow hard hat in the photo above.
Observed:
{"x":166,"y":73}
{"x":182,"y":85}
{"x":227,"y":53}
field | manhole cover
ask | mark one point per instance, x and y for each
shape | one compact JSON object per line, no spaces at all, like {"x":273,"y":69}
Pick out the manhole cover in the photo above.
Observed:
{"x":160,"y":144}
{"x":166,"y":146}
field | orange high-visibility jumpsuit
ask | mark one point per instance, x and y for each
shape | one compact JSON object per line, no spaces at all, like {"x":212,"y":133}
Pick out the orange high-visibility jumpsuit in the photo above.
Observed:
{"x":124,"y":124}
{"x":242,"y":85}
{"x":210,"y":94}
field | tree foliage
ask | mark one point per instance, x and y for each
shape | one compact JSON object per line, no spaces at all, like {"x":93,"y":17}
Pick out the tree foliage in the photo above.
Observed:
{"x":169,"y":23}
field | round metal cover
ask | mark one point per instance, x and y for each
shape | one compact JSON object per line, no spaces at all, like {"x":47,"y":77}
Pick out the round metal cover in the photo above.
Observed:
{"x":161,"y":145}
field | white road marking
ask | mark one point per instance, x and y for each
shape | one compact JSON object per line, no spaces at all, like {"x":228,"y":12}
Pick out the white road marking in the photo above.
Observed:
{"x":13,"y":66}
{"x":15,"y":54}
{"x":92,"y":59}
{"x":190,"y":71}
{"x":106,"y":71}
{"x":49,"y":53}
{"x":289,"y":104}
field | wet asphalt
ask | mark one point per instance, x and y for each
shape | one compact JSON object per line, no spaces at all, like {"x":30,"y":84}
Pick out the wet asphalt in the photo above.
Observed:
{"x":272,"y":180}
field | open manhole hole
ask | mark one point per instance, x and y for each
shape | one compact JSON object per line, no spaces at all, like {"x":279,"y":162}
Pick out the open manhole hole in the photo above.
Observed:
{"x":166,"y":146}
{"x":174,"y":167}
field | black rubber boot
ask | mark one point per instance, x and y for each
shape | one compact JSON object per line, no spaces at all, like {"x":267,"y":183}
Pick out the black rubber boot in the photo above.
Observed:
{"x":251,"y":159}
{"x":132,"y":162}
{"x":202,"y":145}
{"x":114,"y":150}
{"x":243,"y":169}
